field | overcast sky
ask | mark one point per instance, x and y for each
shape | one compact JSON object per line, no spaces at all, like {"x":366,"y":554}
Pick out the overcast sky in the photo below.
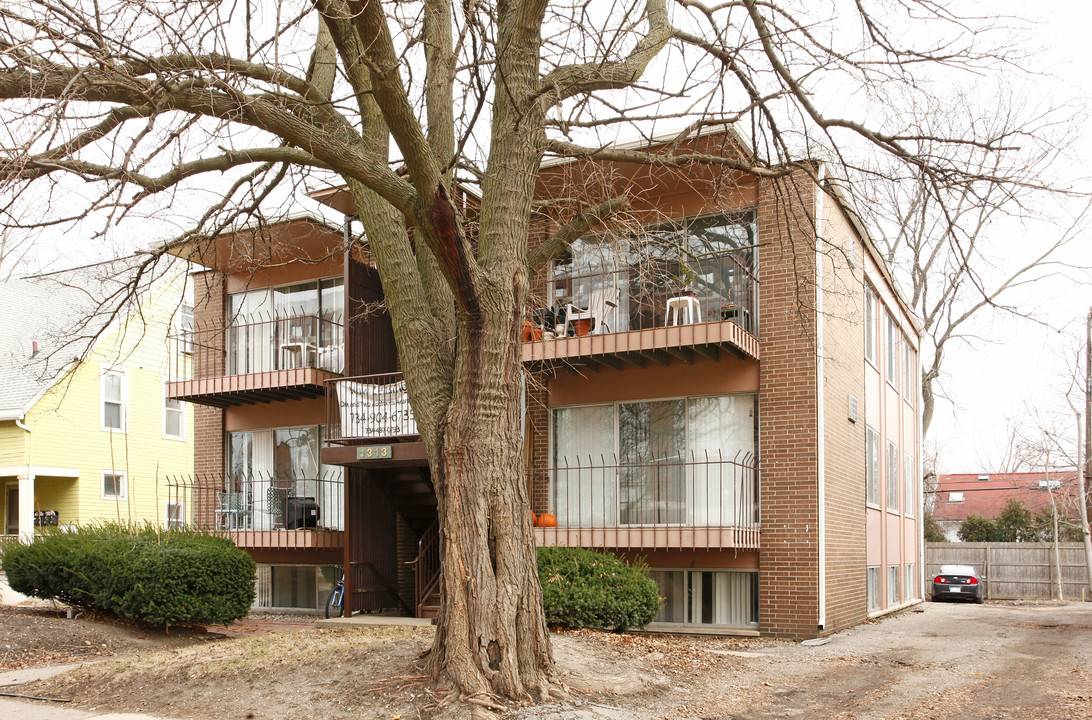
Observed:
{"x":997,"y":383}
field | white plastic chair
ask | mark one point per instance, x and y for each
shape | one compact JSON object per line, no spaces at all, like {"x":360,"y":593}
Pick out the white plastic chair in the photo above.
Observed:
{"x":600,"y":304}
{"x":675,"y":308}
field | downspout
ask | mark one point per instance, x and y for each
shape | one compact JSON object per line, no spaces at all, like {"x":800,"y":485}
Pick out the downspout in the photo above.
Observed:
{"x":920,"y":479}
{"x":25,"y":511}
{"x":819,"y":401}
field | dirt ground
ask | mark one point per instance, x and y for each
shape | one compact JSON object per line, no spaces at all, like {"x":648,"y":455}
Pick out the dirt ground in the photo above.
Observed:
{"x":980,"y":662}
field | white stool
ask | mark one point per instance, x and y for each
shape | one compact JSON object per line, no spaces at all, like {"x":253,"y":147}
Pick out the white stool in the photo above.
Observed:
{"x":675,"y":308}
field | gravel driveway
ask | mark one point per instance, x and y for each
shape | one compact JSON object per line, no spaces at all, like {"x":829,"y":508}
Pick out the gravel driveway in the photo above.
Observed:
{"x":940,"y":660}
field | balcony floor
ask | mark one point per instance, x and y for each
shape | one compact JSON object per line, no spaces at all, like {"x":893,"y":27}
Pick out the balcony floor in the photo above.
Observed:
{"x":288,"y":539}
{"x":264,"y":387}
{"x":650,"y":537}
{"x":637,"y":347}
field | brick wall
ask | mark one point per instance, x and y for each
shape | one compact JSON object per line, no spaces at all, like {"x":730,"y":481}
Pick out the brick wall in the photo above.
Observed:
{"x":209,"y":421}
{"x":843,"y":376}
{"x":788,"y":560}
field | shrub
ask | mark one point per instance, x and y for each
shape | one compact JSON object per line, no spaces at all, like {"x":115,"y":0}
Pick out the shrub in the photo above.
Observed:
{"x":144,"y":574}
{"x":586,"y":589}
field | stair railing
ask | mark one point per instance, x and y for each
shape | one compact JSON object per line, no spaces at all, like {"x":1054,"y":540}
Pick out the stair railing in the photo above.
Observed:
{"x":426,"y":566}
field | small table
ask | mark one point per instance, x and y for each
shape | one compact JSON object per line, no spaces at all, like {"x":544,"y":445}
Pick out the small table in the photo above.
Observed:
{"x":677,"y":305}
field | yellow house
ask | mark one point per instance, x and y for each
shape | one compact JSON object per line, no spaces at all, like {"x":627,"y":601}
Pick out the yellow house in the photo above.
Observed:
{"x":86,"y":431}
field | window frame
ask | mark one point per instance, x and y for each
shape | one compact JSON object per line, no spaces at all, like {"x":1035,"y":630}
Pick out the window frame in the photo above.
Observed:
{"x":870,"y":299}
{"x":181,"y":410}
{"x":891,"y":351}
{"x":893,"y":597}
{"x":687,"y":600}
{"x":123,"y":482}
{"x":909,"y":482}
{"x":185,"y":328}
{"x":872,"y":467}
{"x":872,"y":588}
{"x":122,"y":402}
{"x":171,"y":523}
{"x":908,"y":392}
{"x":891,"y":473}
{"x":909,"y":582}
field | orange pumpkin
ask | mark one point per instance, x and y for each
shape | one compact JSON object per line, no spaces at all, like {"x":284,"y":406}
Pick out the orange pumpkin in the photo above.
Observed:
{"x":546,"y":520}
{"x":534,"y":518}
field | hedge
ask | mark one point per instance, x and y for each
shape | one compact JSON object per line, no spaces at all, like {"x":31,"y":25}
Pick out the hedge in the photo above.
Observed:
{"x":587,"y":589}
{"x":162,"y":578}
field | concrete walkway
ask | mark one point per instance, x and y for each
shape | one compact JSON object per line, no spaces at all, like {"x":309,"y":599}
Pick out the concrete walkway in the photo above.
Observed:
{"x":361,"y":619}
{"x":24,"y":709}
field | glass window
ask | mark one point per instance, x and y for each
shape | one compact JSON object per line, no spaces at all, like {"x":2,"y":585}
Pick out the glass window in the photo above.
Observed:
{"x":870,"y":323}
{"x":955,"y":497}
{"x":910,"y":486}
{"x":682,"y":461}
{"x":908,"y":371}
{"x":711,"y":258}
{"x":651,"y":452}
{"x":893,"y":585}
{"x":296,"y":453}
{"x":287,"y":327}
{"x":893,"y":336}
{"x":892,"y":476}
{"x":114,"y":486}
{"x":113,"y":400}
{"x":174,"y":418}
{"x":872,"y":466}
{"x":174,"y":515}
{"x":294,"y":586}
{"x":873,"y":588}
{"x":910,"y":582}
{"x":725,"y":598}
{"x":185,"y":329}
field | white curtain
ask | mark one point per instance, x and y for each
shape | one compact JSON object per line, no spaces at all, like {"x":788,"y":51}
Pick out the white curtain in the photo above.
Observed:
{"x":261,"y":475}
{"x":720,"y":429}
{"x":584,"y":492}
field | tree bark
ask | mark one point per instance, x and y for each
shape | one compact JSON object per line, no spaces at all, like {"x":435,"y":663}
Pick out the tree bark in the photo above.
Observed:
{"x":492,"y":635}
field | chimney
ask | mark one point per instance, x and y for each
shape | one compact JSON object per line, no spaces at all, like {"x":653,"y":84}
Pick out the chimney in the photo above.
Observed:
{"x":34,"y":348}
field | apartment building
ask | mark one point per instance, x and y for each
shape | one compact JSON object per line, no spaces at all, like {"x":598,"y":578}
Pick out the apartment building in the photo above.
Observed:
{"x":728,"y":390}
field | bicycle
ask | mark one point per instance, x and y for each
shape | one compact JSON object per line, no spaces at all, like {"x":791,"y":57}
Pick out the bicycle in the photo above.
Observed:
{"x":337,"y":595}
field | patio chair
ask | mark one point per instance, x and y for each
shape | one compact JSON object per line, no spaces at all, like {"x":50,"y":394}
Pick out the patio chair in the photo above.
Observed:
{"x":600,"y":305}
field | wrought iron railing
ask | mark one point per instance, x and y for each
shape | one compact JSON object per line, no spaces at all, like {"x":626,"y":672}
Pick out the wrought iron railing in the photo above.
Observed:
{"x":257,"y":502}
{"x":368,"y":407}
{"x":426,"y":568}
{"x":241,"y":348}
{"x":691,"y":490}
{"x":713,"y":288}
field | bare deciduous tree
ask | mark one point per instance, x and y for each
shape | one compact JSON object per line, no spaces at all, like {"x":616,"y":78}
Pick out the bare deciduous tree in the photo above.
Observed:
{"x":960,"y":246}
{"x":134,"y":103}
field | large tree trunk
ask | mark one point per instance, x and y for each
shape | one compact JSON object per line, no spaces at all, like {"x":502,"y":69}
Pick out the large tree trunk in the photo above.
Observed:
{"x":492,"y":635}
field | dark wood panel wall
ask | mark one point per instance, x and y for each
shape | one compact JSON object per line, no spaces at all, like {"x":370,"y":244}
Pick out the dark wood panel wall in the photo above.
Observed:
{"x":369,"y":336}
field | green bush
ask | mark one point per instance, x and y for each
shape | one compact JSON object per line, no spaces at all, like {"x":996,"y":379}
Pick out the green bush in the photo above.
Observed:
{"x":163,"y":578}
{"x":586,"y":589}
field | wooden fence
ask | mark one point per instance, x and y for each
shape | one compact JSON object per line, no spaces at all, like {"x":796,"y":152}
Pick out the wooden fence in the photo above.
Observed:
{"x":1015,"y":571}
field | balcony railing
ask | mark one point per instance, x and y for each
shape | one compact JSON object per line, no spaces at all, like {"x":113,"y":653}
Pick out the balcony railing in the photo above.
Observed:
{"x":261,"y":509}
{"x":287,"y":343}
{"x":368,"y":407}
{"x":678,"y":501}
{"x":712,"y":288}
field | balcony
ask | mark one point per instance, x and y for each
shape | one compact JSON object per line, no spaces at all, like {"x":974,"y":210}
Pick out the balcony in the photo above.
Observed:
{"x":368,"y":407}
{"x":670,"y":306}
{"x":680,"y":502}
{"x":265,"y":361}
{"x":260,"y":510}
